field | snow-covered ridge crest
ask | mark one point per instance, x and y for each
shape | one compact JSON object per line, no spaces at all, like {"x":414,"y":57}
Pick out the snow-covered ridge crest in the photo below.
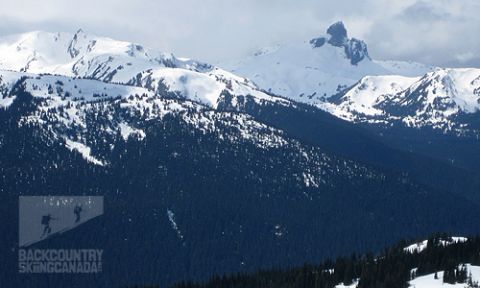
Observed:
{"x":362,"y":100}
{"x":86,"y":56}
{"x":76,"y":54}
{"x":436,"y":99}
{"x":459,"y":87}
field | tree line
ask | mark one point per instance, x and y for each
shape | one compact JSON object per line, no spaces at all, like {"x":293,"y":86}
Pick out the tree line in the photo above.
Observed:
{"x":392,"y":268}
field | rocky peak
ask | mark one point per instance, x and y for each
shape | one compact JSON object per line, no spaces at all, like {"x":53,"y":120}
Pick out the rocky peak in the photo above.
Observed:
{"x":338,"y":34}
{"x":355,"y":50}
{"x":73,"y":50}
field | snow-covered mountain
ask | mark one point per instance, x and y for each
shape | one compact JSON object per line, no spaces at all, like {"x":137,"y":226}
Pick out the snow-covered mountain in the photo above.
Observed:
{"x":87,"y":56}
{"x":314,"y":70}
{"x":337,"y":74}
{"x":439,"y":99}
{"x":333,"y":72}
{"x":72,"y":75}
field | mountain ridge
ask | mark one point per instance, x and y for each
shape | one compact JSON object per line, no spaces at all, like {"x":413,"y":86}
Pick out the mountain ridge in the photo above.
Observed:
{"x":108,"y":60}
{"x":323,"y":73}
{"x":312,"y":71}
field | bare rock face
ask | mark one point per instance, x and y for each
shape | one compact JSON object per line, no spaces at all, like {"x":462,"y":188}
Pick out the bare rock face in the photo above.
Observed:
{"x":355,"y":49}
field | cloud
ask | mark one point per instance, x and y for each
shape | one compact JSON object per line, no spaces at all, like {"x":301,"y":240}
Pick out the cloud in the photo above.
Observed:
{"x":425,"y":11}
{"x":432,"y":31}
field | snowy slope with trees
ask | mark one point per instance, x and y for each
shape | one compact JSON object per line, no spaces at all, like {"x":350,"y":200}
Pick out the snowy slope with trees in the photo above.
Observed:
{"x":436,"y":280}
{"x":437,"y":266}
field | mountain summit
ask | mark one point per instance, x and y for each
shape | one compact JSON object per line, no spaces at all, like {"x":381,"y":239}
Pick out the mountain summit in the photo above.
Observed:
{"x":338,"y":34}
{"x":355,"y":50}
{"x":314,"y":70}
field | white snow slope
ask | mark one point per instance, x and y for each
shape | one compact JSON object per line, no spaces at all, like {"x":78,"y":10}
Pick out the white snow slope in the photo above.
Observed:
{"x":435,"y":99}
{"x":87,"y":56}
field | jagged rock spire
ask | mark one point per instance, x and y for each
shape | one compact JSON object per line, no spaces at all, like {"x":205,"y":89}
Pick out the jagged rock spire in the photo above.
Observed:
{"x":338,"y":34}
{"x":355,"y":50}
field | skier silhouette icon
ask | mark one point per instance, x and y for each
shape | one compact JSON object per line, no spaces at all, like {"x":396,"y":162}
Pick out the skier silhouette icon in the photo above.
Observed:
{"x":46,"y":223}
{"x":77,"y":210}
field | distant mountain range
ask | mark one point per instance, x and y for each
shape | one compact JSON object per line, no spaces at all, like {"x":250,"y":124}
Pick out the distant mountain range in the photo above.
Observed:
{"x":336,"y":73}
{"x":314,"y":70}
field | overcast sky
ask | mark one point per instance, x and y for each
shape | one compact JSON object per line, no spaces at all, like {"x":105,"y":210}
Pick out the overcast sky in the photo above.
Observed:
{"x":438,"y":32}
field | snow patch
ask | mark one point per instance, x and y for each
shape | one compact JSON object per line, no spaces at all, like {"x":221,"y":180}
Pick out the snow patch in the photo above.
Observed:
{"x":171,"y":218}
{"x":84,"y":150}
{"x":6,"y":102}
{"x":126,"y":131}
{"x":309,"y":180}
{"x":353,"y":285}
{"x":420,"y":246}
